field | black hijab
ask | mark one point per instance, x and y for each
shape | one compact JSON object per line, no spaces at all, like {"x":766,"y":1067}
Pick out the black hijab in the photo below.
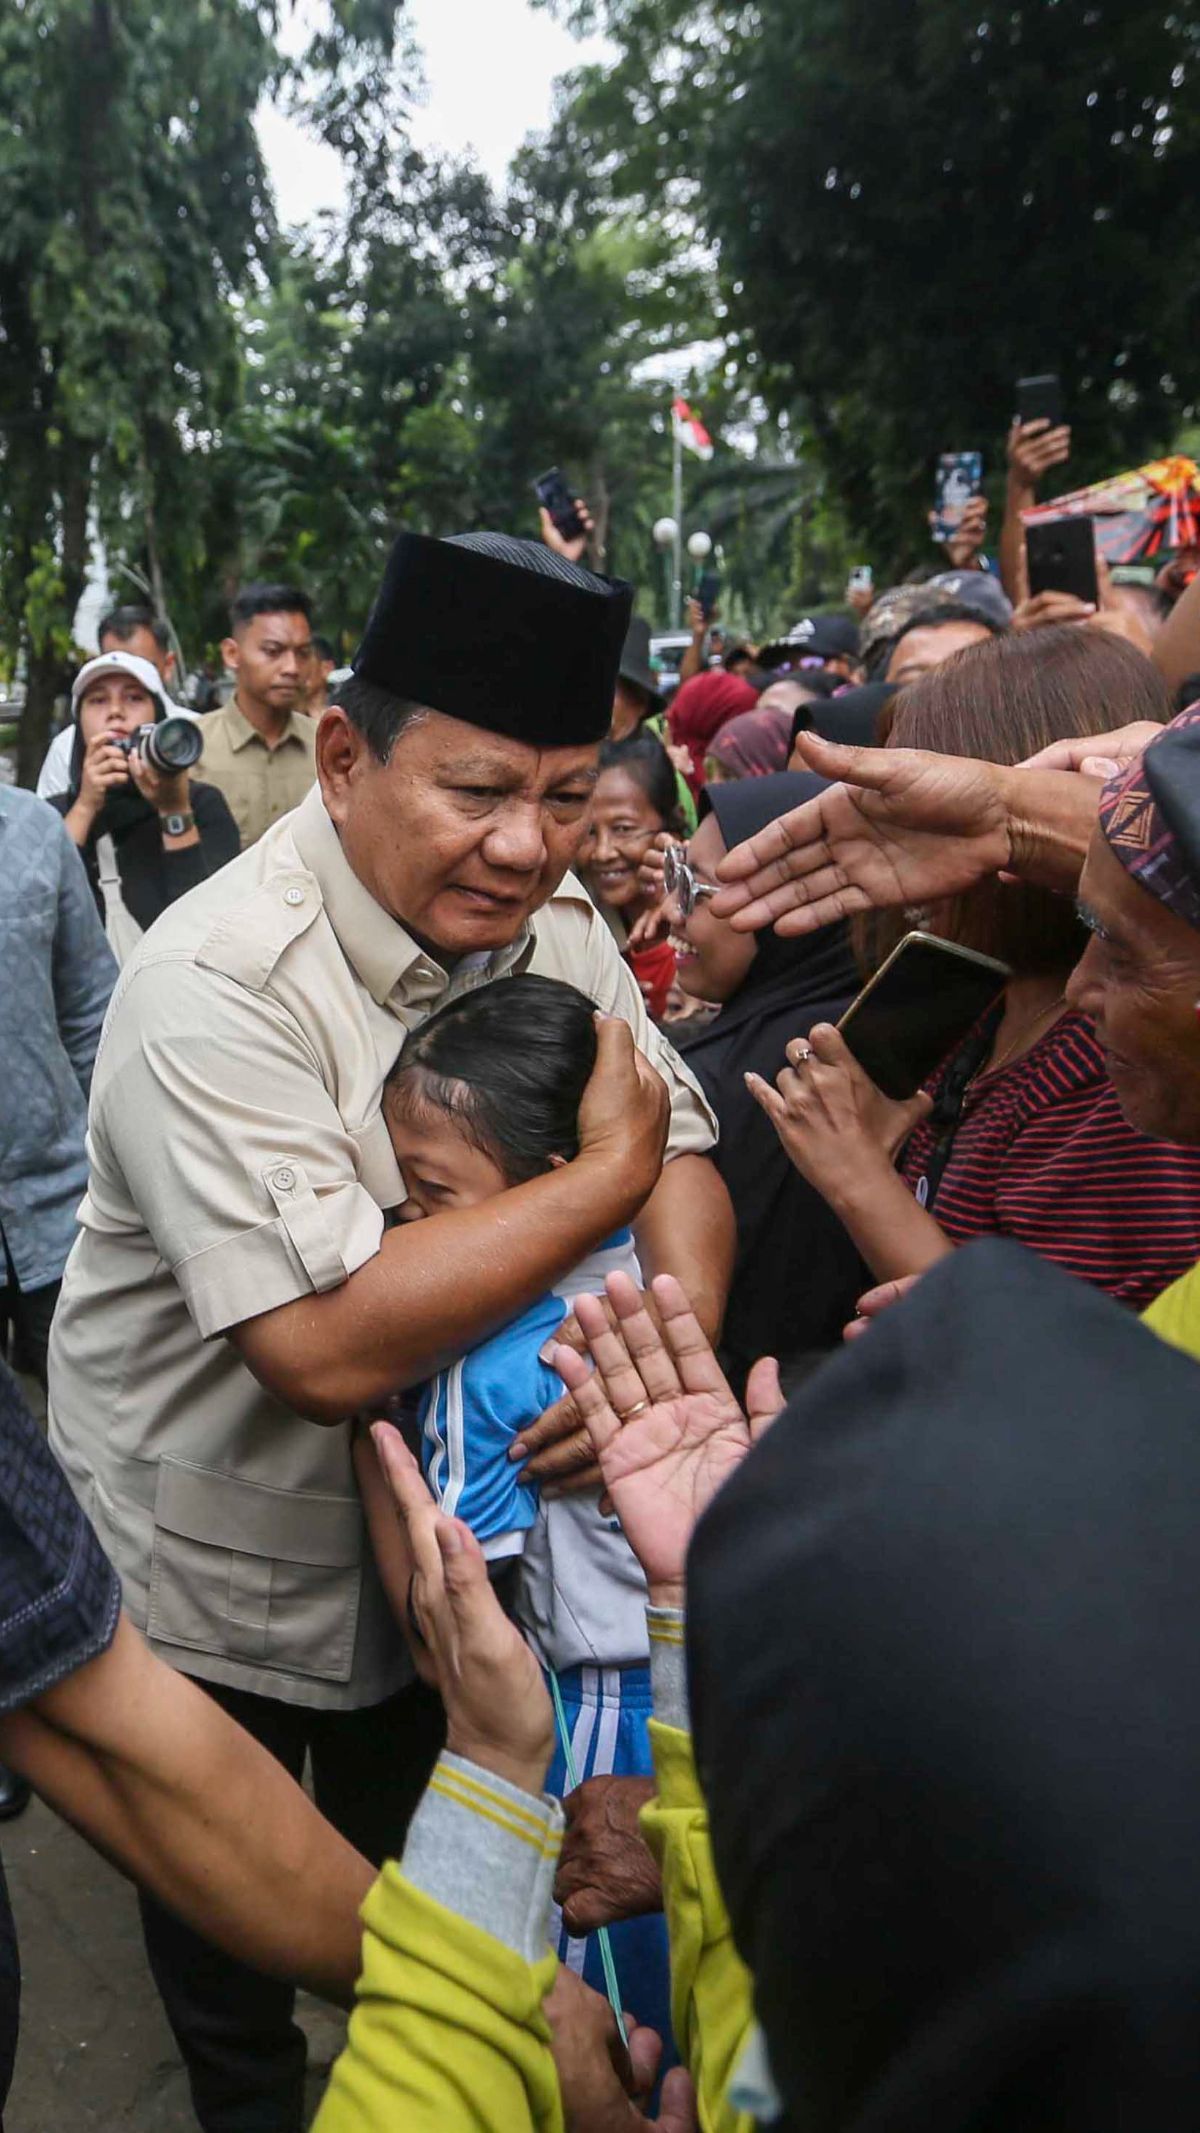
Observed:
{"x":797,"y":1275}
{"x":852,"y":718}
{"x":943,"y":1635}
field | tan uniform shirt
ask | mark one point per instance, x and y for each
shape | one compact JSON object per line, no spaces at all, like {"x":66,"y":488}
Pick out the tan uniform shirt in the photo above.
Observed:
{"x":260,"y":783}
{"x":239,"y":1160}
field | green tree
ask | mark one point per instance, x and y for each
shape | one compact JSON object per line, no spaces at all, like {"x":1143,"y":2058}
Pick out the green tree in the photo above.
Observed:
{"x":134,"y":217}
{"x":917,"y":203}
{"x":130,"y":208}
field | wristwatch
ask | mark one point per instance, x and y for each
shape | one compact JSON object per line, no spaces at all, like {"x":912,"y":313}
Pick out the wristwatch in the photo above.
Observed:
{"x":176,"y":825}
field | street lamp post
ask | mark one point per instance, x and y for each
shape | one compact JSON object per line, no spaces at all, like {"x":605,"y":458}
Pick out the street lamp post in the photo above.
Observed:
{"x":666,"y":539}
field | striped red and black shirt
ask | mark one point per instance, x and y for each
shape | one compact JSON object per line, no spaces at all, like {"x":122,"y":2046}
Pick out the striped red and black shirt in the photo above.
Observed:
{"x":1042,"y":1154}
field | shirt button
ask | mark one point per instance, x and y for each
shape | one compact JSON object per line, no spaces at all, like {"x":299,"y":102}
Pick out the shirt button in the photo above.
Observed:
{"x":293,"y":896}
{"x":285,"y":1179}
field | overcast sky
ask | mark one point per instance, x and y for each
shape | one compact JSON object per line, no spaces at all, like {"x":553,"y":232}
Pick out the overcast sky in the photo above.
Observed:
{"x":490,"y":65}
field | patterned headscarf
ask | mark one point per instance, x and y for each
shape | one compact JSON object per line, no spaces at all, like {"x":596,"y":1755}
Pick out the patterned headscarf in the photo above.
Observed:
{"x":1150,"y":817}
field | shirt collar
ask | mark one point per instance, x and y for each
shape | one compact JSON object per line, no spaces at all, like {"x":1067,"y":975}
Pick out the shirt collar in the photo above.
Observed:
{"x":241,"y":731}
{"x":386,"y":958}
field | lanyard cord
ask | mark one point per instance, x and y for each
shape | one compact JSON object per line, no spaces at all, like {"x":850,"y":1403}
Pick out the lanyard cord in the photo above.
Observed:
{"x":602,"y":1933}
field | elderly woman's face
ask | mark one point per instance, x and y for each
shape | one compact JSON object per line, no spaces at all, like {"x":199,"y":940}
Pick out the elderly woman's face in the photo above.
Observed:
{"x":1139,"y":984}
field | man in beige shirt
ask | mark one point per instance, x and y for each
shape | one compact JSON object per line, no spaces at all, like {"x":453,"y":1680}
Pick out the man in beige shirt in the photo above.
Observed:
{"x":234,"y":1286}
{"x":259,"y":748}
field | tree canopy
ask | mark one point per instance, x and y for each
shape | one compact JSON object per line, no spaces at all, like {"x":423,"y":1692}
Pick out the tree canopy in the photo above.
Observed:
{"x":844,"y":230}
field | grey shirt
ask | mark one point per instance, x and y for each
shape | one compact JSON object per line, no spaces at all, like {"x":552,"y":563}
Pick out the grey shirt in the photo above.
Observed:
{"x":56,"y":975}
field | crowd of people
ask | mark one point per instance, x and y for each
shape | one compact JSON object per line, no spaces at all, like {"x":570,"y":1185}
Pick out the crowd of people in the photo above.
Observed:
{"x":714,"y":1532}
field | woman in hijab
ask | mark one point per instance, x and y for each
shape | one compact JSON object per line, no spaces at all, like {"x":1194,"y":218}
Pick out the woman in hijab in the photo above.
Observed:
{"x":941,"y":1635}
{"x":753,"y":745}
{"x":797,"y":1274}
{"x":145,"y":837}
{"x":699,"y":710}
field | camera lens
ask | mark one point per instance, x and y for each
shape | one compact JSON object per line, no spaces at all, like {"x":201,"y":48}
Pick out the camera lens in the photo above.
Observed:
{"x":174,"y":744}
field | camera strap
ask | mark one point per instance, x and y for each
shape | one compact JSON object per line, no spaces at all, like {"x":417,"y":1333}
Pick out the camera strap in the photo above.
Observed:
{"x":120,"y":925}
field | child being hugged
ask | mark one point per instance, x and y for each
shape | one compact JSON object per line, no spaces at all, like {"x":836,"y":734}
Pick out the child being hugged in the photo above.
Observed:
{"x":483,"y":1097}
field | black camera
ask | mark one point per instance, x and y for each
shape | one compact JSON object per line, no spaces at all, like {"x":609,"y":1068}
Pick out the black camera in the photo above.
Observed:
{"x":172,"y":745}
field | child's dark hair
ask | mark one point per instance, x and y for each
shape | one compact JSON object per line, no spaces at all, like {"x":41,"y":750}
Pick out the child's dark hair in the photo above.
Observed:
{"x":510,"y":1063}
{"x":644,"y":759}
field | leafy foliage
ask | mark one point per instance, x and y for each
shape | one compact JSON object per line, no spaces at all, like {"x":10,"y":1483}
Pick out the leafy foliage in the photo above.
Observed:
{"x":915,"y":204}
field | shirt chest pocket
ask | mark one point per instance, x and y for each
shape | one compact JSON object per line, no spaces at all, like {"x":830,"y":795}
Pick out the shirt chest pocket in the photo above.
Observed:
{"x":255,"y":1573}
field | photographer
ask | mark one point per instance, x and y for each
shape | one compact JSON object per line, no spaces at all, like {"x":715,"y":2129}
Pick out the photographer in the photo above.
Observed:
{"x":146,"y":834}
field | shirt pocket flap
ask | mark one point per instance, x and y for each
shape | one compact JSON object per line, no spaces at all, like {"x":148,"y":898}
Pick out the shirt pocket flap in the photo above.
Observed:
{"x":197,"y":1503}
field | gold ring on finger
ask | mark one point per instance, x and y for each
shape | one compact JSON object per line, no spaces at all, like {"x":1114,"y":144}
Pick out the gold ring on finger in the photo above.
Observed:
{"x":632,"y":1413}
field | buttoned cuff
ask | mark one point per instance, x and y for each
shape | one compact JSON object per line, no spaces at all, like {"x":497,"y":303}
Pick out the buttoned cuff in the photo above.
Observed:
{"x":487,"y":1851}
{"x":315,"y":1242}
{"x":668,"y":1667}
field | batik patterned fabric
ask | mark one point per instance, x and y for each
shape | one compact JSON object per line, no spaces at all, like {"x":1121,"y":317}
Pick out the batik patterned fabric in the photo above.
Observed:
{"x":1150,"y":817}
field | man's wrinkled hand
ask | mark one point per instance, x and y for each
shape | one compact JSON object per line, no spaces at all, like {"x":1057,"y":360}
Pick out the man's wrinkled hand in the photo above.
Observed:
{"x":606,"y":1870}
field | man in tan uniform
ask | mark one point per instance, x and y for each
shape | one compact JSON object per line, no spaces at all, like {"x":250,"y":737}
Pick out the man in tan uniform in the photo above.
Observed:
{"x":259,"y":748}
{"x":233,"y":1274}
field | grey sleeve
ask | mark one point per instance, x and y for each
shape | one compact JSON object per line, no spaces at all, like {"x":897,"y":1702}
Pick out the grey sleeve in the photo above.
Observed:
{"x":487,"y":1851}
{"x":84,"y":968}
{"x":668,"y":1667}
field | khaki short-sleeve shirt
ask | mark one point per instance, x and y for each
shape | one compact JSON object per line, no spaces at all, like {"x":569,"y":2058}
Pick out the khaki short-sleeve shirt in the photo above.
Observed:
{"x":238,"y":1161}
{"x":261,"y":784}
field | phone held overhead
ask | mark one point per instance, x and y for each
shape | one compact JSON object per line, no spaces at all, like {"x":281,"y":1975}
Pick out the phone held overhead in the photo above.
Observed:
{"x":1040,"y":399}
{"x":1061,"y":556}
{"x":958,"y":479}
{"x":919,"y":1005}
{"x":554,"y":495}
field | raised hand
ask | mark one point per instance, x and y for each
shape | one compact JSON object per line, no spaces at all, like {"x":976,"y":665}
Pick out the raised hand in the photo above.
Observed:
{"x":833,"y":1122}
{"x":966,"y":540}
{"x":497,"y":1710}
{"x":901,"y":827}
{"x":572,"y":546}
{"x":1033,"y":448}
{"x":665,"y":1426}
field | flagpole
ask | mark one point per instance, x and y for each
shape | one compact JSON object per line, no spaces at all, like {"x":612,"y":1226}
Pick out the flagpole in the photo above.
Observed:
{"x":677,"y":515}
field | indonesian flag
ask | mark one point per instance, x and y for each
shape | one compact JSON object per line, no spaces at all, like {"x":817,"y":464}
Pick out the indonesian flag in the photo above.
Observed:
{"x":690,"y":430}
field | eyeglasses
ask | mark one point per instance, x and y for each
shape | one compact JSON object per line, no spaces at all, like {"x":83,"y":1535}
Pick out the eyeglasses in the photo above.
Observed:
{"x":679,"y":881}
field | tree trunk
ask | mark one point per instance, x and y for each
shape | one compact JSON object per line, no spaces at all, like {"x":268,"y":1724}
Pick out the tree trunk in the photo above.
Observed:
{"x":44,"y":683}
{"x":600,"y":506}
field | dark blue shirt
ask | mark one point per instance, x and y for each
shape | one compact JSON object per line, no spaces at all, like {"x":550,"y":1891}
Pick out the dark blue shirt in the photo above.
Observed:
{"x":59,"y":1603}
{"x":56,"y":974}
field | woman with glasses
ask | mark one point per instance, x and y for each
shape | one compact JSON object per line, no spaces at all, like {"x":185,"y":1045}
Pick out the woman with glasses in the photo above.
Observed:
{"x":797,"y":1275}
{"x":634,"y":807}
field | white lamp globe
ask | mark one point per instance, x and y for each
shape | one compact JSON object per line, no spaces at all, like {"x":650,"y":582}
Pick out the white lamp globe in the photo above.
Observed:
{"x":699,"y":546}
{"x":665,"y":531}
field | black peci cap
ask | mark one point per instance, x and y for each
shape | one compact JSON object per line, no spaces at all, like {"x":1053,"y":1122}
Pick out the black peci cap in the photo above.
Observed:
{"x":501,"y":633}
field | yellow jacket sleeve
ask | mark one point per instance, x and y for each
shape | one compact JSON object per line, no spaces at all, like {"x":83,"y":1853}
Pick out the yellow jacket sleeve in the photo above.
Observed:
{"x":711,"y":2005}
{"x":448,"y":2034}
{"x":1175,"y":1315}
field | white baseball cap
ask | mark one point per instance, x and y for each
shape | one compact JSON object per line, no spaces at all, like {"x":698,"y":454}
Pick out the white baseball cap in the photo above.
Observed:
{"x":142,"y":671}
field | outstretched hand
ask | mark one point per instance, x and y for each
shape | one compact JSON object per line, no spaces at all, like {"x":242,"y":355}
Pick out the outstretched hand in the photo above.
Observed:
{"x":901,"y":827}
{"x":497,"y":1710}
{"x":665,"y":1426}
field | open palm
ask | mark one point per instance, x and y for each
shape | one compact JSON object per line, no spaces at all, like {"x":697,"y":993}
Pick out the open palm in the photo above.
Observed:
{"x":666,"y":1428}
{"x":901,"y":827}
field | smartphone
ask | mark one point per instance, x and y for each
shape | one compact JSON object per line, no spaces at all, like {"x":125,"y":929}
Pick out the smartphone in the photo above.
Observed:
{"x":1061,"y":554}
{"x":1040,"y":399}
{"x":555,"y":497}
{"x":958,"y":478}
{"x":708,"y":585}
{"x":862,"y":579}
{"x":917,"y":1008}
